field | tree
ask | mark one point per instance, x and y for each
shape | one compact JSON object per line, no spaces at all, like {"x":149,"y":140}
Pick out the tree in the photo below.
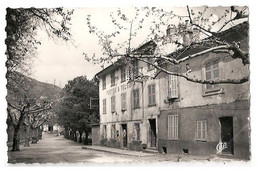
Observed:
{"x":22,"y":102}
{"x":203,"y":26}
{"x":75,"y":113}
{"x":21,"y":47}
{"x":34,"y":121}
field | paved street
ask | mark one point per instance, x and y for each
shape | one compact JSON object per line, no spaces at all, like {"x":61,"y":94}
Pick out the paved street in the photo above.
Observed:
{"x":57,"y":149}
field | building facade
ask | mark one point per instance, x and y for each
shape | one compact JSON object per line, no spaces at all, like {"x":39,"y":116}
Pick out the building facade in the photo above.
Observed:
{"x":128,"y":109}
{"x":174,"y":115}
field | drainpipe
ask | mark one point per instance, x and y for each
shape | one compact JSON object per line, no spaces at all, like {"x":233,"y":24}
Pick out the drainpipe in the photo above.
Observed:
{"x":143,"y":98}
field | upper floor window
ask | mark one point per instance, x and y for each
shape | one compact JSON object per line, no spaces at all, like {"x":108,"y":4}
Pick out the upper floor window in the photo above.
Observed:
{"x":123,"y":74}
{"x":113,"y":78}
{"x":104,"y":82}
{"x":123,"y":101}
{"x":136,"y":98}
{"x":173,"y":126}
{"x":212,"y":73}
{"x":104,"y":106}
{"x":135,"y":68}
{"x":172,"y":86}
{"x":113,"y":103}
{"x":150,"y":66}
{"x":151,"y":94}
{"x":201,"y":130}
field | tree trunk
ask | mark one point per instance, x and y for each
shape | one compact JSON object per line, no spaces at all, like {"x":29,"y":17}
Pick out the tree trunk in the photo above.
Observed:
{"x":39,"y":133}
{"x":27,"y":136}
{"x":71,"y":135}
{"x":80,"y":136}
{"x":86,"y":137}
{"x":16,"y":139}
{"x":66,"y":134}
{"x":75,"y":136}
{"x":35,"y":135}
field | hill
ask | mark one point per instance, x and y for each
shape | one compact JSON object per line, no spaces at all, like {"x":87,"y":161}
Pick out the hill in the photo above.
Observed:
{"x":19,"y":86}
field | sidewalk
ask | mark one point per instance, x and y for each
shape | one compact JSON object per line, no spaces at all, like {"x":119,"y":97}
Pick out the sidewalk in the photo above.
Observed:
{"x":156,"y":157}
{"x":118,"y":151}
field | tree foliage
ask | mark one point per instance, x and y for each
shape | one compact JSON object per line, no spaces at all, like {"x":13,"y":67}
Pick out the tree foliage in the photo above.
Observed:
{"x":76,"y":112}
{"x":21,"y":30}
{"x":22,"y":26}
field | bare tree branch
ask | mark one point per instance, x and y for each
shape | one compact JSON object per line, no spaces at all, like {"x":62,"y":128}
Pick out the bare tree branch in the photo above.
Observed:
{"x":195,"y":80}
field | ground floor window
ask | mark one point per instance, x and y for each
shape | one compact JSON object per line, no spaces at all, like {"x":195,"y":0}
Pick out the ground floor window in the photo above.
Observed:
{"x":104,"y":131}
{"x":173,"y":126}
{"x":202,"y":130}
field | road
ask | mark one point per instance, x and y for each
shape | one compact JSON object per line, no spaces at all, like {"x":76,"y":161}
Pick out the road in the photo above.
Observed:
{"x":57,"y":149}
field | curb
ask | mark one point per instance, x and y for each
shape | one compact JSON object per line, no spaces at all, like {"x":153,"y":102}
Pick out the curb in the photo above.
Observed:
{"x":114,"y":152}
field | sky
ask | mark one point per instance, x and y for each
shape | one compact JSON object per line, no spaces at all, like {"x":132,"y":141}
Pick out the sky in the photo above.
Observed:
{"x":57,"y":62}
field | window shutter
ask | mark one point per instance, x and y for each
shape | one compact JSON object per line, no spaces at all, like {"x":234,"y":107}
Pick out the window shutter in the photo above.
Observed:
{"x":170,"y":126}
{"x":172,"y":87}
{"x":175,"y":126}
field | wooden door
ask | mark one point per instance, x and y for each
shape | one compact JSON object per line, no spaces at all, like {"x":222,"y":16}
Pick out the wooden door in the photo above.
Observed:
{"x":124,"y":133}
{"x":227,"y":134}
{"x":153,"y":136}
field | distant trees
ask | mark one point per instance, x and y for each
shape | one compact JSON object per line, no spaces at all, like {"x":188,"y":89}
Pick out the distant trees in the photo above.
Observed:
{"x":21,"y":48}
{"x":77,"y":110}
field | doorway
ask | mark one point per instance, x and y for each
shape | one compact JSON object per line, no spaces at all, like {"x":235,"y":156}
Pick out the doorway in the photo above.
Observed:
{"x":153,"y":136}
{"x":227,"y":134}
{"x":124,"y":134}
{"x":50,"y":128}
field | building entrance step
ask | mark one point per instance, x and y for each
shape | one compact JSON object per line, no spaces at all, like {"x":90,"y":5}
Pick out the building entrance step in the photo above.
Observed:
{"x":150,"y":150}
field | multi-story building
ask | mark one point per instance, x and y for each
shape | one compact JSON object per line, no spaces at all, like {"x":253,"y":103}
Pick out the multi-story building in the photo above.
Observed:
{"x":128,"y":109}
{"x":172,"y":114}
{"x":205,"y":119}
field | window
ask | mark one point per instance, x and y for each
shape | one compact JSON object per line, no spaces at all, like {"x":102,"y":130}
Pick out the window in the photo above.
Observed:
{"x":104,"y":131}
{"x":135,"y":68}
{"x":113,"y":78}
{"x":150,"y":67}
{"x":212,"y":73}
{"x":172,"y":86}
{"x":151,"y":95}
{"x":113,"y":131}
{"x":104,"y":82}
{"x":113,"y":103}
{"x":201,"y":130}
{"x":173,"y":126}
{"x":123,"y":101}
{"x":104,"y":106}
{"x":136,"y":98}
{"x":137,"y":131}
{"x":123,"y":74}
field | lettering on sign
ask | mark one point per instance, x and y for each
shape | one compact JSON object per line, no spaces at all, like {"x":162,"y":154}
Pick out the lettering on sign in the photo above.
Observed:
{"x":125,"y":86}
{"x":111,"y":91}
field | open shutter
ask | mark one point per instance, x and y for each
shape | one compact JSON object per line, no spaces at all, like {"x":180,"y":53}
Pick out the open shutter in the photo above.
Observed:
{"x":170,"y":126}
{"x":172,"y":87}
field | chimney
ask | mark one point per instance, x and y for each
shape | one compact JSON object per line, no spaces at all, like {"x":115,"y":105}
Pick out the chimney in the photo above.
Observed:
{"x":188,"y":33}
{"x":171,"y":29}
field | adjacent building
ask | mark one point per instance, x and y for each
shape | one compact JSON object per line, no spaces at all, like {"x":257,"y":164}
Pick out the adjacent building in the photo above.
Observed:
{"x":141,"y":107}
